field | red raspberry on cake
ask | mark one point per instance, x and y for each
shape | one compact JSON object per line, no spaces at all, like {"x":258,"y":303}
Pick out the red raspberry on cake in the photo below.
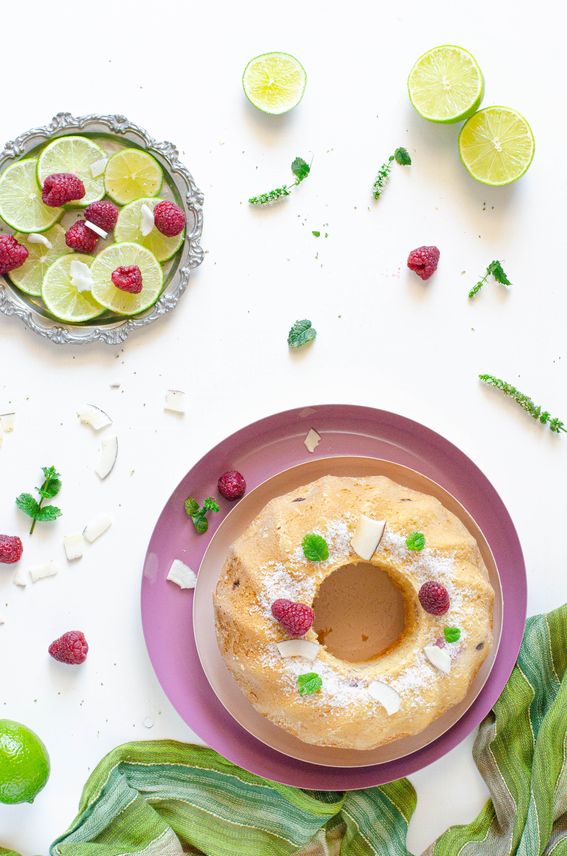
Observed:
{"x":62,"y":187}
{"x":71,"y":648}
{"x":169,"y":219}
{"x":434,"y":598}
{"x":11,"y":549}
{"x":423,"y":261}
{"x":296,"y":618}
{"x":103,"y":214}
{"x":80,"y":237}
{"x":12,"y":254}
{"x":232,"y":485}
{"x":128,"y":278}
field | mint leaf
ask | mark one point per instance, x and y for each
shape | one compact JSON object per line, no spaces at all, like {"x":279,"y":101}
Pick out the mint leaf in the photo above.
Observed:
{"x":497,"y":271}
{"x":27,"y":504}
{"x":316,"y":234}
{"x":451,"y":634}
{"x":200,"y":523}
{"x":301,"y":333}
{"x":315,"y":548}
{"x":198,"y":514}
{"x":191,"y":506}
{"x":309,"y":683}
{"x":47,"y":513}
{"x":300,"y":169}
{"x":210,"y":504}
{"x":402,"y":156}
{"x":52,"y":483}
{"x":415,"y":541}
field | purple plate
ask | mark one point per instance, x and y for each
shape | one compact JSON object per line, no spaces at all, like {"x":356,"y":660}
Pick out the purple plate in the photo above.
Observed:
{"x":259,"y":451}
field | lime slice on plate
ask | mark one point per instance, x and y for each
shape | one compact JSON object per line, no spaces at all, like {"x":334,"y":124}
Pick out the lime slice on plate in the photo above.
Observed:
{"x":20,"y":199}
{"x":124,"y":255}
{"x":274,"y":82}
{"x":61,"y":296}
{"x":496,"y":145}
{"x":75,"y":155}
{"x":131,"y":174}
{"x":446,"y":84}
{"x":128,"y":229}
{"x":29,"y":276}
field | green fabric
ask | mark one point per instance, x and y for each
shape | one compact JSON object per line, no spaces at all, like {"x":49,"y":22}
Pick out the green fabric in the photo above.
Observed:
{"x":166,"y":798}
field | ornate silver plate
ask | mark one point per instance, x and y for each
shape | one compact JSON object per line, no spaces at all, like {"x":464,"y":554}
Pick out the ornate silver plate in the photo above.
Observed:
{"x":114,"y":132}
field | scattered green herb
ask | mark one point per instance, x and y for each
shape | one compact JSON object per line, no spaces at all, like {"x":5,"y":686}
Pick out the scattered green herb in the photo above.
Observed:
{"x":415,"y":541}
{"x":316,"y":234}
{"x":301,"y":333}
{"x":198,"y":514}
{"x":315,"y":548}
{"x":37,"y":510}
{"x":300,"y":169}
{"x":495,"y":270}
{"x":309,"y":683}
{"x":535,"y":411}
{"x":400,"y":156}
{"x":451,"y":634}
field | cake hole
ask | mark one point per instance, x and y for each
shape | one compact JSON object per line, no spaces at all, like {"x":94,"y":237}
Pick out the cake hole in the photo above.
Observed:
{"x":359,"y":612}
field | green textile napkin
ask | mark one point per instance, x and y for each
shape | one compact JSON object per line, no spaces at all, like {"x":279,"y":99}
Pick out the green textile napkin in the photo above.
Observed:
{"x":166,"y":798}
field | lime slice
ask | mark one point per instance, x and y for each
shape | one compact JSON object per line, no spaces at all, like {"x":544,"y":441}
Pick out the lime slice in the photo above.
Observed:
{"x":446,"y":84}
{"x":24,"y":763}
{"x":29,"y":277}
{"x":128,"y":229}
{"x":124,"y":255}
{"x":76,"y":155}
{"x":496,"y":145}
{"x":20,"y":199}
{"x":274,"y":82}
{"x":62,"y":298}
{"x":131,"y":174}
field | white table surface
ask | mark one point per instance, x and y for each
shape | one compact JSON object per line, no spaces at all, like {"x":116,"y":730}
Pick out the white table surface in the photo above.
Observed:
{"x":385,"y":339}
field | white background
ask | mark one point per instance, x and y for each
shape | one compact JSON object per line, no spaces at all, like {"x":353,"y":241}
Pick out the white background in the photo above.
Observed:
{"x":385,"y":339}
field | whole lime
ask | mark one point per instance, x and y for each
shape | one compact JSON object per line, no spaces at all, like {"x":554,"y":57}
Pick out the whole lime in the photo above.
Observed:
{"x":24,"y":763}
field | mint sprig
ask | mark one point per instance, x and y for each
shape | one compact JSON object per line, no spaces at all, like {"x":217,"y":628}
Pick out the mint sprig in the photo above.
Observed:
{"x":198,"y":514}
{"x":555,"y":425}
{"x":49,"y":488}
{"x":495,"y":270}
{"x":415,"y":541}
{"x":301,"y":333}
{"x":401,"y":156}
{"x":300,"y":168}
{"x":451,"y":634}
{"x":309,"y":683}
{"x":315,"y":548}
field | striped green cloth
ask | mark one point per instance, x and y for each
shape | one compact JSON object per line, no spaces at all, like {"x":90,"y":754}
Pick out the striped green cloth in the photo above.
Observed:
{"x":166,"y":798}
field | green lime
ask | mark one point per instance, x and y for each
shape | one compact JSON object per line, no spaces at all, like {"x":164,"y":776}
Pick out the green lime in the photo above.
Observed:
{"x":29,"y":276}
{"x":124,"y":255}
{"x":20,"y":199}
{"x":446,"y":84}
{"x":24,"y":763}
{"x":496,"y":145}
{"x":131,"y":174}
{"x":76,"y":155}
{"x":274,"y":82}
{"x":62,"y":294}
{"x":128,"y":228}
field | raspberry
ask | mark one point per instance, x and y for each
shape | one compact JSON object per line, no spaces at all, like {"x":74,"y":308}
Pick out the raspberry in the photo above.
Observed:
{"x":80,"y":237}
{"x":70,"y":648}
{"x":169,"y":219}
{"x":440,"y":642}
{"x":424,"y":261}
{"x":434,"y":598}
{"x":128,"y":279}
{"x":11,"y":549}
{"x":296,"y":618}
{"x":102,"y":214}
{"x":62,"y":187}
{"x":12,"y":254}
{"x":232,"y":484}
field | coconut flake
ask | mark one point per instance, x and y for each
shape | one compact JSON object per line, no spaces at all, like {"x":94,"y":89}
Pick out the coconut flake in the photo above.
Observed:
{"x":40,"y":572}
{"x":146,"y":220}
{"x":96,"y":229}
{"x":21,"y":577}
{"x":7,"y":422}
{"x":182,"y":575}
{"x":35,"y":238}
{"x":81,"y":276}
{"x":367,"y":536}
{"x":97,"y":527}
{"x":174,"y":401}
{"x":438,"y":657}
{"x":312,"y":440}
{"x":98,"y":167}
{"x":107,"y":454}
{"x":94,"y":416}
{"x":299,"y":648}
{"x":73,"y":546}
{"x":386,"y":696}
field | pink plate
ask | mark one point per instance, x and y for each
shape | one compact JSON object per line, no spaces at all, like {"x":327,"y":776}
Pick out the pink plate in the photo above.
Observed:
{"x":260,"y":451}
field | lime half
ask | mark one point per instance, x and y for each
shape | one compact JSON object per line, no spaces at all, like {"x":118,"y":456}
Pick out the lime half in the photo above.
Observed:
{"x":20,"y":199}
{"x":131,"y":174}
{"x":128,"y":228}
{"x":63,"y":298}
{"x":274,"y":82}
{"x":446,"y":84}
{"x":29,"y":277}
{"x":24,"y":763}
{"x":496,"y":145}
{"x":124,"y":255}
{"x":75,"y":155}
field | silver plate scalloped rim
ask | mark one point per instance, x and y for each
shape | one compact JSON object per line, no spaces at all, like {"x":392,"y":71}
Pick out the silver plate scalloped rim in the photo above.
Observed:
{"x":114,"y":332}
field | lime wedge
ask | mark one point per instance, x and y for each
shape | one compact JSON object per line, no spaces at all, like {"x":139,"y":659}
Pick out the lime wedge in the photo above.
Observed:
{"x":124,"y":255}
{"x":496,"y":145}
{"x":128,"y":229}
{"x":446,"y":84}
{"x":274,"y":82}
{"x":20,"y":199}
{"x":29,"y":277}
{"x":62,"y":298}
{"x":131,"y":174}
{"x":76,"y":155}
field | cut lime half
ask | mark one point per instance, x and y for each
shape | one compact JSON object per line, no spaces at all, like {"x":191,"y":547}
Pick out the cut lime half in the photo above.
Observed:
{"x":29,"y":277}
{"x":61,"y":296}
{"x":496,"y":145}
{"x":128,"y":229}
{"x":124,"y":255}
{"x":274,"y":82}
{"x":20,"y":199}
{"x":131,"y":174}
{"x":446,"y":84}
{"x":75,"y":155}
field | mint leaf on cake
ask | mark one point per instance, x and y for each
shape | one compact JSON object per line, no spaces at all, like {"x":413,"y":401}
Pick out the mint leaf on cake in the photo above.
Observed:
{"x":309,"y":683}
{"x":315,"y":548}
